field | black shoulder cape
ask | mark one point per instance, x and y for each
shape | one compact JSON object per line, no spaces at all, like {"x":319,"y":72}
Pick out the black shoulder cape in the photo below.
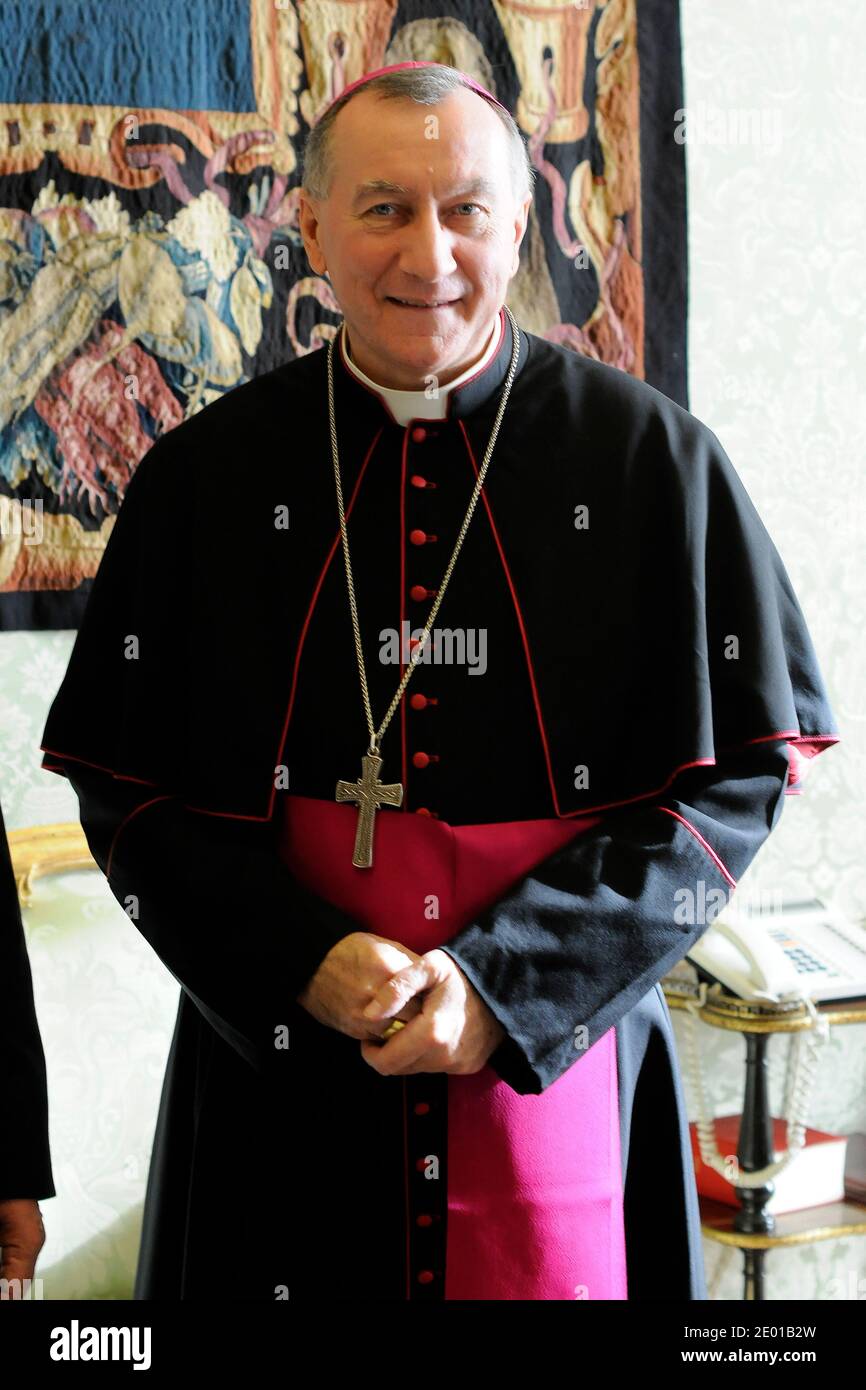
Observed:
{"x":659,"y":625}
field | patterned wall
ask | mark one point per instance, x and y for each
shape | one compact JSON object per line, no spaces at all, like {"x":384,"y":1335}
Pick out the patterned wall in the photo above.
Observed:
{"x":777,"y":304}
{"x":776,"y":310}
{"x":150,"y":254}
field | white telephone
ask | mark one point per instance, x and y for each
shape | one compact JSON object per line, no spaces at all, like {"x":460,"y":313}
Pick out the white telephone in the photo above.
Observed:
{"x":803,"y":949}
{"x":797,"y":950}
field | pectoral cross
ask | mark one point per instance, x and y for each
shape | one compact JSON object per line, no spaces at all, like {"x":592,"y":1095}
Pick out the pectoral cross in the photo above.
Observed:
{"x":370,"y":794}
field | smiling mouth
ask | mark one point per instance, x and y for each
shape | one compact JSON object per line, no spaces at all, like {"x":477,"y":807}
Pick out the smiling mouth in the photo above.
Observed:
{"x":416,"y":304}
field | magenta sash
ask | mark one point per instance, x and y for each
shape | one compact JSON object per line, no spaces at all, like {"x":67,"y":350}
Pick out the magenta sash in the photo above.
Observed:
{"x":534,"y":1181}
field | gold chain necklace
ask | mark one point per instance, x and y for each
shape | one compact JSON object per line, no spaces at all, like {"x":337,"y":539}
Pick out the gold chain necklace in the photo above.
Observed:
{"x":368,"y":792}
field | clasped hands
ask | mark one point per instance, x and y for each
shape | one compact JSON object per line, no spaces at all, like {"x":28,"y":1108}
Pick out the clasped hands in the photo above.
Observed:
{"x":366,"y":981}
{"x":363,"y":983}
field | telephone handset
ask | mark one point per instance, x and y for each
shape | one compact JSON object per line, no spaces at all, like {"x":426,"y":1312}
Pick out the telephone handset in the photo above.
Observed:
{"x":749,"y":964}
{"x":803,"y":949}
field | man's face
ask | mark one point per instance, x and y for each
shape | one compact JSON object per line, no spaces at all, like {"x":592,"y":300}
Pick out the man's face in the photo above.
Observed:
{"x":446,"y":233}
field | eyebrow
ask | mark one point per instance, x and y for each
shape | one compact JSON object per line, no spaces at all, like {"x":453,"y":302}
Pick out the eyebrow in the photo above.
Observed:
{"x":486,"y":187}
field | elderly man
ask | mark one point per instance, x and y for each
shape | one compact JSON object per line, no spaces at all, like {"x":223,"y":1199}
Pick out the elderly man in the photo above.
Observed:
{"x":420,"y":905}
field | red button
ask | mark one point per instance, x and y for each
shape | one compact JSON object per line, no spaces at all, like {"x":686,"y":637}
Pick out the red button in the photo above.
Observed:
{"x":418,"y":592}
{"x":419,"y":434}
{"x":421,"y":759}
{"x":417,"y":481}
{"x":424,"y":1220}
{"x":418,"y":701}
{"x":425,"y":1276}
{"x":422,"y":1108}
{"x":422,"y":811}
{"x":418,"y":537}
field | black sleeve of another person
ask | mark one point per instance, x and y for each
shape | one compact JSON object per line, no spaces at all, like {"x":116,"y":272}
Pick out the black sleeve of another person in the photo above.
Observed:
{"x":25,"y":1160}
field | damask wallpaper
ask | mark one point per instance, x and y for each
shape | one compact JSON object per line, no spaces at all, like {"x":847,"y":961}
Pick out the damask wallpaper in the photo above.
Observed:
{"x":776,"y":311}
{"x":775,"y":128}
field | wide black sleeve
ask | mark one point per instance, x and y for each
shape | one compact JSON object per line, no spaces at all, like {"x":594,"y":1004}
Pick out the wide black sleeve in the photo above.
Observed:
{"x":25,"y":1160}
{"x":213,"y":899}
{"x":592,"y":928}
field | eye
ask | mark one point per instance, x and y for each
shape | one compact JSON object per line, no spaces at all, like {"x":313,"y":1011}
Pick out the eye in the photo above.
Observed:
{"x":475,"y":207}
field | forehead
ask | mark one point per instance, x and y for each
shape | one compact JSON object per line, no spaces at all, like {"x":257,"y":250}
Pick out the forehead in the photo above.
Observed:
{"x":368,"y":189}
{"x":401,"y":142}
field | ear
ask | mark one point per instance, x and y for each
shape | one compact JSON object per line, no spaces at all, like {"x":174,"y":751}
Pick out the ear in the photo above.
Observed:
{"x":308,"y":223}
{"x":521,"y":221}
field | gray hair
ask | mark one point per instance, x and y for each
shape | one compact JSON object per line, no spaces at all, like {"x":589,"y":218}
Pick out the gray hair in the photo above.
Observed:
{"x":427,"y":86}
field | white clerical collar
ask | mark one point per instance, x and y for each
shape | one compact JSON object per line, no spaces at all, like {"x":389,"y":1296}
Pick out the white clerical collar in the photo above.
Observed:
{"x":415,"y":405}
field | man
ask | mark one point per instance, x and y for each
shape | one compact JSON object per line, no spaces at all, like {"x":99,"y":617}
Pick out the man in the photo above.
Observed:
{"x":25,"y":1158}
{"x":422,"y":1052}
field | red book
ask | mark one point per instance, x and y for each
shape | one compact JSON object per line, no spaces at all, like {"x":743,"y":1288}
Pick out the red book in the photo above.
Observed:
{"x":816,"y":1176}
{"x":855,"y":1168}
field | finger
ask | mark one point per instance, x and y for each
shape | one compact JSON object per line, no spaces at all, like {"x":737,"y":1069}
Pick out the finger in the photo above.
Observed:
{"x":377,"y":1028}
{"x":404,"y":950}
{"x":396,"y":992}
{"x":17,"y":1268}
{"x":404,"y":1052}
{"x":409,"y":1010}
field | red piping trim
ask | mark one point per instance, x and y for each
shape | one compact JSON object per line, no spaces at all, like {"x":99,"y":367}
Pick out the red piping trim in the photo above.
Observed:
{"x":403,"y":735}
{"x":481,"y":370}
{"x":143,"y":807}
{"x":523,"y":636}
{"x":124,"y":777}
{"x":422,"y":419}
{"x":311,"y":607}
{"x":791,"y":736}
{"x":567,"y":815}
{"x":407,"y":1208}
{"x":145,"y":782}
{"x":71,"y":757}
{"x":699,"y":837}
{"x":228,"y":815}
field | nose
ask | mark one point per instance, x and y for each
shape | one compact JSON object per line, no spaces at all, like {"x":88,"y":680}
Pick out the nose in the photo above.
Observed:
{"x":426,"y":252}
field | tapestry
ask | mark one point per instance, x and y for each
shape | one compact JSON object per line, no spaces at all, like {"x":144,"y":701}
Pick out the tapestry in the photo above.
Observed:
{"x":150,"y":256}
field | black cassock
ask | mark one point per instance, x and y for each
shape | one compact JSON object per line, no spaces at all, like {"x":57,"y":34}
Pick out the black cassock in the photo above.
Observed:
{"x":649,"y":683}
